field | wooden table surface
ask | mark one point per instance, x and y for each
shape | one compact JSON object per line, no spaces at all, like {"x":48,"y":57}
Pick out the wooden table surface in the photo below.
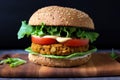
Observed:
{"x":85,"y":78}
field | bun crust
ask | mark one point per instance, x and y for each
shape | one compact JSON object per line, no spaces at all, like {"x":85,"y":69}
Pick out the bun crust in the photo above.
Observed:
{"x":61,"y":16}
{"x":58,"y":62}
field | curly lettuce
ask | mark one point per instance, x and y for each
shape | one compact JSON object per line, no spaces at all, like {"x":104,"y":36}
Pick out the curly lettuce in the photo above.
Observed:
{"x":56,"y":31}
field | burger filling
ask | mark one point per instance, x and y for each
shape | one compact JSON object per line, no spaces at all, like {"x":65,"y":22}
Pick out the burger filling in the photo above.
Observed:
{"x":57,"y":49}
{"x":58,"y":42}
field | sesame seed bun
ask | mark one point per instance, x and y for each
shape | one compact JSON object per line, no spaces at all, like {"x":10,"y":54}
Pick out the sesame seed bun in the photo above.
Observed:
{"x":61,"y":16}
{"x":52,"y":62}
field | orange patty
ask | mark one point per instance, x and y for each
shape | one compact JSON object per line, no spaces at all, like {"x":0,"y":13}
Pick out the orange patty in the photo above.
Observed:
{"x":57,"y":49}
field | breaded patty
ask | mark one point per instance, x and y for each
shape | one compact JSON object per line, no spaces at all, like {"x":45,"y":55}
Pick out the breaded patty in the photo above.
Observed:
{"x":57,"y":49}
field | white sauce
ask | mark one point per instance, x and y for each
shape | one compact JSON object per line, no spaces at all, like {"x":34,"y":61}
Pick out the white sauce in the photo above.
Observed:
{"x":62,"y":39}
{"x":59,"y":39}
{"x":49,"y":36}
{"x":36,"y":36}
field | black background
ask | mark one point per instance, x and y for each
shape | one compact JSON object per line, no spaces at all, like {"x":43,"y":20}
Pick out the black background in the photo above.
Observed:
{"x":105,"y":14}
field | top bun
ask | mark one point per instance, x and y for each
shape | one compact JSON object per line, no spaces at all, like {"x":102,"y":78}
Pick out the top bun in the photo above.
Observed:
{"x":61,"y":16}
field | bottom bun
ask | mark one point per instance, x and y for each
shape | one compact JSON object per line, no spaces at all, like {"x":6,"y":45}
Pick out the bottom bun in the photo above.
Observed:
{"x":52,"y":62}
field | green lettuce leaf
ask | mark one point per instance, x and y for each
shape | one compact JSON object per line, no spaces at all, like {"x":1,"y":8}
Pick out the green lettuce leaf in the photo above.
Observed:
{"x":30,"y":51}
{"x":77,"y":54}
{"x":56,"y":31}
{"x":92,"y":36}
{"x":25,"y":29}
{"x":14,"y":62}
{"x":39,"y":30}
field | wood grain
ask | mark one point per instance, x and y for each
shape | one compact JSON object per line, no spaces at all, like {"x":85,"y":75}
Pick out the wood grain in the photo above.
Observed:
{"x":99,"y":65}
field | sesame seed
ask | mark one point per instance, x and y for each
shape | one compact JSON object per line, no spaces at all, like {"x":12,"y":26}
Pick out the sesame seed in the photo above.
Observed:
{"x":60,"y":16}
{"x":68,"y":14}
{"x":61,"y":13}
{"x":72,"y":18}
{"x":66,"y":22}
{"x":64,"y":18}
{"x":58,"y":11}
{"x":61,"y":20}
{"x":47,"y":14}
{"x":66,"y":10}
{"x":49,"y":8}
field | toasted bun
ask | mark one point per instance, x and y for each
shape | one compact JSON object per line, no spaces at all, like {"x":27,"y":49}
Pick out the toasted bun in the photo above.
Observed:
{"x":58,"y":62}
{"x":61,"y":16}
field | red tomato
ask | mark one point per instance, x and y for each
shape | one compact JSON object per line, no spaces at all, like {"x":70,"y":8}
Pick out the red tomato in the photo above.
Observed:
{"x":43,"y":41}
{"x":76,"y":42}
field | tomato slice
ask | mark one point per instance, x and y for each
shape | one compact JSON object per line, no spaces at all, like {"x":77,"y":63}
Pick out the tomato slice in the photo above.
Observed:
{"x":76,"y":42}
{"x":43,"y":41}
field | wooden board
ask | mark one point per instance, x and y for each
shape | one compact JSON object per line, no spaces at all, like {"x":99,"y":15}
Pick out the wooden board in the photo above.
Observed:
{"x":99,"y":65}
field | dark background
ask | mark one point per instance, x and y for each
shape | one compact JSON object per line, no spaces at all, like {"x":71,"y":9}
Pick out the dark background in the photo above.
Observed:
{"x":105,"y":14}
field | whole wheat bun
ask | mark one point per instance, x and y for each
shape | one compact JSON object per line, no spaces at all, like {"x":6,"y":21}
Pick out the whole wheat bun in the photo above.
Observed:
{"x":52,"y":62}
{"x":61,"y":16}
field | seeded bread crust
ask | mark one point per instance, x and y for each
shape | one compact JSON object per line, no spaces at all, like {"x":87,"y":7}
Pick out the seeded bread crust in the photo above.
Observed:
{"x":61,"y":16}
{"x":58,"y":62}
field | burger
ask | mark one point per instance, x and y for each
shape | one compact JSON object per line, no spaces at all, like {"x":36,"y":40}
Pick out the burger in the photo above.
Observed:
{"x":60,"y":36}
